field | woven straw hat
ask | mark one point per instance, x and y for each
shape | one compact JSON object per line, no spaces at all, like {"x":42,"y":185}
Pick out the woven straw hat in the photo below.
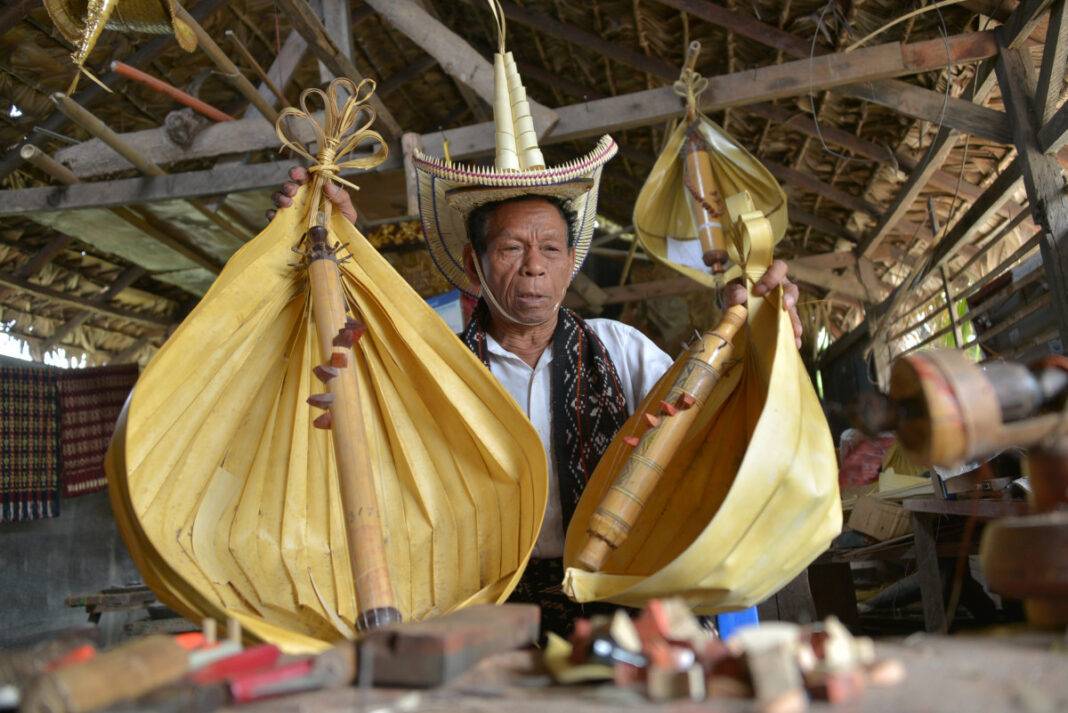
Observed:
{"x":449,"y":192}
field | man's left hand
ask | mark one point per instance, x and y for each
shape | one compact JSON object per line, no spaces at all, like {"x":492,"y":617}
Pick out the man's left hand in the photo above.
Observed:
{"x":737,"y":294}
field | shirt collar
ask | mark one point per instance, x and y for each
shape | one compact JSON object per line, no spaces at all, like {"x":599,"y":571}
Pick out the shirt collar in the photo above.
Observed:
{"x":494,"y":347}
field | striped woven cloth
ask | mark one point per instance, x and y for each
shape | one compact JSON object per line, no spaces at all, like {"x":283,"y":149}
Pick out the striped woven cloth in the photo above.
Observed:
{"x":90,"y":401}
{"x":29,"y":444}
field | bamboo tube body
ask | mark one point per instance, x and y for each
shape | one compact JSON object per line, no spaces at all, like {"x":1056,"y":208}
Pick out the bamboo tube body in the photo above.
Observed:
{"x":706,"y":205}
{"x":611,"y":522}
{"x":363,"y":524}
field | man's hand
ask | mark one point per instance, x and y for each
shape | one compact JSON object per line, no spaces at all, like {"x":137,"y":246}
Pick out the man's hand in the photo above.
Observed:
{"x":333,"y":192}
{"x":737,"y":294}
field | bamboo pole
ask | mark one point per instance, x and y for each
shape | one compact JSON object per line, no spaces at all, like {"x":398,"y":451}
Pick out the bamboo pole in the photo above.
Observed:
{"x":226,"y":66}
{"x":89,"y":121}
{"x":622,"y":504}
{"x":338,"y":334}
{"x":132,"y":215}
{"x":260,"y":72}
{"x":162,"y":87}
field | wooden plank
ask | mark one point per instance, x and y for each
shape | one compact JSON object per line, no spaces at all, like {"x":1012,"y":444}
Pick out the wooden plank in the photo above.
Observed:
{"x":14,"y":12}
{"x":811,"y":184}
{"x":281,"y":71}
{"x":819,"y":223}
{"x":1054,"y":61}
{"x":311,"y":28}
{"x":925,"y":529}
{"x":452,"y":52}
{"x":587,"y":40}
{"x":577,"y":121}
{"x":92,"y":92}
{"x":63,"y":298}
{"x":1042,"y":174}
{"x":917,"y":102}
{"x":980,"y":508}
{"x":191,"y":184}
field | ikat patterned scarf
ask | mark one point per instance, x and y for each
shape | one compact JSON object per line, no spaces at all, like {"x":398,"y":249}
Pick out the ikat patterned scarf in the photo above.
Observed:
{"x":588,"y":405}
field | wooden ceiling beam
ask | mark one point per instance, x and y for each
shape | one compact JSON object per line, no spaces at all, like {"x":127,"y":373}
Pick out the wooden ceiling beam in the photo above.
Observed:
{"x":459,"y":60}
{"x":577,"y":121}
{"x":587,"y":40}
{"x":905,"y":98}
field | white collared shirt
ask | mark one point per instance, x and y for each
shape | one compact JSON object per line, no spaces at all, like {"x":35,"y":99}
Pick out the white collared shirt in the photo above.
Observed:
{"x":639,"y":363}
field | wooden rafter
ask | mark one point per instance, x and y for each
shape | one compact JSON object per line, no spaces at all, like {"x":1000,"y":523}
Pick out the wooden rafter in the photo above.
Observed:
{"x":308,"y":24}
{"x":68,"y":300}
{"x":1019,"y":28}
{"x":125,"y":278}
{"x":459,"y":60}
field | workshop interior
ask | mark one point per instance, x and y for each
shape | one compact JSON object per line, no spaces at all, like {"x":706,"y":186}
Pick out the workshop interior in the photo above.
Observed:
{"x":533,"y":355}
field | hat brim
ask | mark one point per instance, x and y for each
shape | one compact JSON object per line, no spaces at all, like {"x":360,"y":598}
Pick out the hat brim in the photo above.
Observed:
{"x":449,"y":193}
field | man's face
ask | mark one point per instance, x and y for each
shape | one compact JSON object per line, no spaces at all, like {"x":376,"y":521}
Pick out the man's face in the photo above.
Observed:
{"x":527,"y":263}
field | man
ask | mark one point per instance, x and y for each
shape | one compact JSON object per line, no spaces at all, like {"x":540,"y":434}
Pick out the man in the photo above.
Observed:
{"x":576,"y":380}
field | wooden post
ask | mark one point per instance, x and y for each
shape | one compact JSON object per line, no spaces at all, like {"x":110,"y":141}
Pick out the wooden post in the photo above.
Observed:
{"x":359,"y":501}
{"x":1042,"y":174}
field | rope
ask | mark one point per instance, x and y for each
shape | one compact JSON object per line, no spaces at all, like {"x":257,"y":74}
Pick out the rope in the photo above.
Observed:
{"x":689,"y":86}
{"x":336,"y":137}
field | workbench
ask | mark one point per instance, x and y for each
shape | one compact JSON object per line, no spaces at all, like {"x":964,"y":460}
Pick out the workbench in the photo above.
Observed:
{"x":1021,"y":672}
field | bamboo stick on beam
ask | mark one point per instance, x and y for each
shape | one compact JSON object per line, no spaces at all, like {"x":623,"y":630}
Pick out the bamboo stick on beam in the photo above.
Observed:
{"x":89,"y":121}
{"x":226,"y":65}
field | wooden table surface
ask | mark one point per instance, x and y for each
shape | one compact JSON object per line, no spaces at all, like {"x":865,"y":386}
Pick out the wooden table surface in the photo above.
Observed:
{"x":944,"y":674}
{"x":985,"y":509}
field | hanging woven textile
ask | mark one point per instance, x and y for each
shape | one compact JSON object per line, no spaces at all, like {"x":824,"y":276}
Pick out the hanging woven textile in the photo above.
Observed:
{"x":722,"y":487}
{"x":238,"y":498}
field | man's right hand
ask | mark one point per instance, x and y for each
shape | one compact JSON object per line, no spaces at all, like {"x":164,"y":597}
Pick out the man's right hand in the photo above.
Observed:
{"x":333,"y":192}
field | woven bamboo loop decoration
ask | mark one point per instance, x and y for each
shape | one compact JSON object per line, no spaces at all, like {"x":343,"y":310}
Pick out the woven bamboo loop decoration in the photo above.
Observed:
{"x":340,"y":134}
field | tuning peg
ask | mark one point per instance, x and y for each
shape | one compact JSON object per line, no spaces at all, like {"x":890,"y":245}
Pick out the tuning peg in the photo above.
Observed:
{"x":685,"y":401}
{"x":325,"y":372}
{"x":321,"y":400}
{"x":668,"y":409}
{"x":325,"y":420}
{"x":338,"y":360}
{"x":631,"y":441}
{"x":652,"y":419}
{"x":344,"y":338}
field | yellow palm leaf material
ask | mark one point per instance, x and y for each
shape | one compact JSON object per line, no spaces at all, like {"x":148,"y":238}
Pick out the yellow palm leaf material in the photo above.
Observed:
{"x":750,"y":497}
{"x":228,"y":496}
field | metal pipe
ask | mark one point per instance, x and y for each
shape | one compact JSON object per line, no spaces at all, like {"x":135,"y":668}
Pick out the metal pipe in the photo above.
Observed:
{"x":158,"y":85}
